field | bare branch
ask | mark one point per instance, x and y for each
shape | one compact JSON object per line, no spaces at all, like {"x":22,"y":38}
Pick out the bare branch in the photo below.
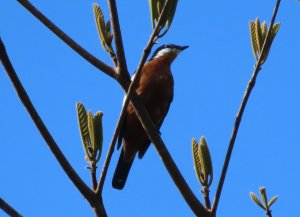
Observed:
{"x":239,"y":116}
{"x":122,"y":66}
{"x":93,"y":175}
{"x":169,"y":163}
{"x":110,"y":153}
{"x":99,"y":208}
{"x":69,"y":41}
{"x":8,"y":209}
{"x":205,"y":192}
{"x":77,"y":181}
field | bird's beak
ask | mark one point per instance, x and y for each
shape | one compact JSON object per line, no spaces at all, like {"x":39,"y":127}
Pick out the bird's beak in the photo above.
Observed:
{"x":183,"y":47}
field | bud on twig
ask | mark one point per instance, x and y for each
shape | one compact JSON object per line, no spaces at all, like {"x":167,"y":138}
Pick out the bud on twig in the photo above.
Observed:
{"x":104,"y":29}
{"x":265,"y":205}
{"x":91,"y":133}
{"x":202,"y":162}
{"x":258,"y":34}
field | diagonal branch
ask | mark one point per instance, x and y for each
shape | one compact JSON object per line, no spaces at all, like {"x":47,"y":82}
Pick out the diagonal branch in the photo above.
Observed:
{"x":9,"y":210}
{"x":130,"y":91}
{"x":122,"y":66}
{"x":169,"y":163}
{"x":77,"y":181}
{"x":239,"y":116}
{"x":68,"y":40}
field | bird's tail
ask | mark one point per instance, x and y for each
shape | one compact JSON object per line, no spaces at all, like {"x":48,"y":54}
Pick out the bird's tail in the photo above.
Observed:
{"x":121,"y":172}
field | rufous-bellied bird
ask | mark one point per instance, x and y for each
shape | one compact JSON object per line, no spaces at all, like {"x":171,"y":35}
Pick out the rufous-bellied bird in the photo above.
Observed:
{"x":155,"y":88}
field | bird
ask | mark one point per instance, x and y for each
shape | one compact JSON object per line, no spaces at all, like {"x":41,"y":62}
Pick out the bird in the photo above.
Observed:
{"x":155,"y":87}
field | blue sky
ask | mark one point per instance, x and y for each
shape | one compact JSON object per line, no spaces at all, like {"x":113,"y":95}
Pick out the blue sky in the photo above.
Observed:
{"x":210,"y":80}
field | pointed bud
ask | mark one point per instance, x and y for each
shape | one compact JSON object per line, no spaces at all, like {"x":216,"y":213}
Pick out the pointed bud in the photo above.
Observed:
{"x":202,"y":162}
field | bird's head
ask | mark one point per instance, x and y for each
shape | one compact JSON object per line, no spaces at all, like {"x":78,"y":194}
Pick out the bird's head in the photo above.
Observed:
{"x":167,"y":52}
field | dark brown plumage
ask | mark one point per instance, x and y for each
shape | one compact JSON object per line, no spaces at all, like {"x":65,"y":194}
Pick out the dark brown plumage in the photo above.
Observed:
{"x":155,"y":88}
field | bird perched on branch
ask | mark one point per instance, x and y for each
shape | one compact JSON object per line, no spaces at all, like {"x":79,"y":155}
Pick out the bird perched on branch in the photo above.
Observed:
{"x":155,"y":88}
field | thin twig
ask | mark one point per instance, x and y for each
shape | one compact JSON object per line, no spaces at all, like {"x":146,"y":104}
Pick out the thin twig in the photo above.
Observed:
{"x":205,"y":191}
{"x":68,"y":40}
{"x":113,"y":57}
{"x":122,"y":66}
{"x":93,"y":169}
{"x":131,"y":89}
{"x":239,"y":116}
{"x":77,"y":181}
{"x":110,"y":153}
{"x":9,"y":209}
{"x":269,"y":214}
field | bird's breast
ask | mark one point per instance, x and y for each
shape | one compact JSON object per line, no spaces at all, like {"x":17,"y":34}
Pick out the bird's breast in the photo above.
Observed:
{"x":158,"y":85}
{"x":156,"y":89}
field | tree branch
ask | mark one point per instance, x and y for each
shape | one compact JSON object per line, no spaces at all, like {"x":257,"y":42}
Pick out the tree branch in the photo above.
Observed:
{"x":93,"y":169}
{"x":205,"y":192}
{"x":122,"y":66}
{"x":239,"y":116}
{"x":77,"y":181}
{"x":169,"y":163}
{"x":131,"y":89}
{"x":8,"y":209}
{"x":269,"y":214}
{"x":69,"y":41}
{"x":98,"y":207}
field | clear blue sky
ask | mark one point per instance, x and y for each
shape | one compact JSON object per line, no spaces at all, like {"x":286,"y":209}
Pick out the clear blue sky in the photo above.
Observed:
{"x":210,"y":79}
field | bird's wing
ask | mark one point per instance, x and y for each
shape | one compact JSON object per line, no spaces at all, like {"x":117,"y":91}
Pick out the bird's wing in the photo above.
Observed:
{"x":129,"y":109}
{"x":120,"y":137}
{"x":143,"y":150}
